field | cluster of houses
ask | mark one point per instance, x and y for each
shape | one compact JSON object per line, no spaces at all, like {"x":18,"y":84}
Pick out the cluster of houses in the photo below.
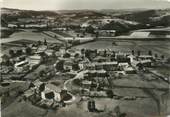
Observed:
{"x":27,"y":58}
{"x":98,"y":65}
{"x":106,"y":60}
{"x":47,"y":95}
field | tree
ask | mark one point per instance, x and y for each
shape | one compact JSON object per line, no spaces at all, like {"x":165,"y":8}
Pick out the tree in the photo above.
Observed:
{"x":139,"y":53}
{"x":75,"y":66}
{"x":66,"y":55}
{"x":168,"y":60}
{"x":140,"y":66}
{"x":133,"y":52}
{"x":76,"y":55}
{"x":11,"y":53}
{"x":28,"y":51}
{"x":97,"y":34}
{"x":110,"y":93}
{"x":42,"y":87}
{"x":90,"y":29}
{"x":156,"y":55}
{"x":83,"y":51}
{"x":45,"y":42}
{"x":19,"y":52}
{"x":44,"y":56}
{"x":105,"y":53}
{"x":41,"y":73}
{"x":39,"y":42}
{"x":150,"y":52}
{"x":162,"y":56}
{"x":60,"y":66}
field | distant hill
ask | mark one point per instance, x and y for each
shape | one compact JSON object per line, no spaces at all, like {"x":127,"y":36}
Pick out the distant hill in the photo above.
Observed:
{"x":143,"y":18}
{"x":13,"y":14}
{"x":123,"y":26}
{"x":147,"y":16}
{"x":82,"y":13}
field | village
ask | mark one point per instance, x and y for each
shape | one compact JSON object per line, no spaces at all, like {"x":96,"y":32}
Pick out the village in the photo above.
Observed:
{"x":57,"y":76}
{"x":89,"y":63}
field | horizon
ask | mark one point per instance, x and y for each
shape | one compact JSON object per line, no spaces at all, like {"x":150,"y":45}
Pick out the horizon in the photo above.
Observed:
{"x":85,"y":9}
{"x":85,"y":4}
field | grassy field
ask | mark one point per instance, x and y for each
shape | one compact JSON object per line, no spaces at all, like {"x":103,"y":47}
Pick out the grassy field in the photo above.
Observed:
{"x":157,"y":47}
{"x":63,"y":34}
{"x":29,"y":35}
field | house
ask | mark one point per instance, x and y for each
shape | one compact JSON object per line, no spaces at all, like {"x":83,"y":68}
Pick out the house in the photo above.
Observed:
{"x":51,"y":92}
{"x":131,"y":57}
{"x":101,"y":52}
{"x":83,"y":64}
{"x":10,"y":25}
{"x":119,"y":73}
{"x":50,"y":95}
{"x":98,"y":94}
{"x":20,"y":66}
{"x":120,"y":57}
{"x":86,"y":83}
{"x":35,"y":59}
{"x":90,"y":66}
{"x":145,"y":57}
{"x":99,"y":59}
{"x":108,"y":66}
{"x":71,"y":52}
{"x":60,"y":29}
{"x":62,"y":50}
{"x":106,"y":33}
{"x":4,"y":58}
{"x":49,"y":52}
{"x":123,"y":65}
{"x":58,"y":54}
{"x":68,"y":65}
{"x":37,"y":83}
{"x":41,"y":49}
{"x":129,"y":70}
{"x":146,"y":63}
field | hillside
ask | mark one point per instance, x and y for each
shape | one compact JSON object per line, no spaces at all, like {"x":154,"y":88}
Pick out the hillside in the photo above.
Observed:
{"x":147,"y":17}
{"x":124,"y":19}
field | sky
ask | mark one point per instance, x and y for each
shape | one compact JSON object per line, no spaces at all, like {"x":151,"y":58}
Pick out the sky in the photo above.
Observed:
{"x":84,"y":4}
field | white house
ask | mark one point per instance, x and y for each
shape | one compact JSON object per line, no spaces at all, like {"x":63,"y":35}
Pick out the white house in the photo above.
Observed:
{"x":19,"y":67}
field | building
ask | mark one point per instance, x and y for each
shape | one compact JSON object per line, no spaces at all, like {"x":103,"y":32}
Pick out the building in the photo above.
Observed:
{"x":21,"y":66}
{"x":106,"y":33}
{"x":121,"y":58}
{"x":146,"y":63}
{"x":123,"y":65}
{"x":129,"y":70}
{"x":49,"y":52}
{"x":108,"y":66}
{"x":95,"y":73}
{"x":68,"y":65}
{"x":145,"y":57}
{"x":41,"y":49}
{"x":86,"y":84}
{"x":51,"y":92}
{"x":12,"y":25}
{"x":62,"y":50}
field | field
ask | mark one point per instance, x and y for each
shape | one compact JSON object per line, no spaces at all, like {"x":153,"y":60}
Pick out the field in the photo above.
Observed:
{"x":29,"y":35}
{"x":63,"y":34}
{"x":157,"y":47}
